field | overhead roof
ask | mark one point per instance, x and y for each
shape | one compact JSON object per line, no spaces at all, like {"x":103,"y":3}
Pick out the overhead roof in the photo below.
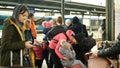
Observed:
{"x":56,"y":5}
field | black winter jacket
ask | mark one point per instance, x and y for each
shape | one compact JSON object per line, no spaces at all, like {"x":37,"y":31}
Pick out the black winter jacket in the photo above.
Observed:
{"x":111,"y":51}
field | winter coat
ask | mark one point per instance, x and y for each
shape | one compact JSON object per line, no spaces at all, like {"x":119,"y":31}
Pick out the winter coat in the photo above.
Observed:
{"x":55,"y":43}
{"x":33,"y":29}
{"x":78,"y":27}
{"x":39,"y":51}
{"x":71,"y":56}
{"x":12,"y":39}
{"x":111,"y":51}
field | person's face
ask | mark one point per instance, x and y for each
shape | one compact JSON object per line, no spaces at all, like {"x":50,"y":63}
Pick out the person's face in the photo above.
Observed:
{"x":67,"y":23}
{"x":32,"y":18}
{"x":73,"y":41}
{"x":23,"y":17}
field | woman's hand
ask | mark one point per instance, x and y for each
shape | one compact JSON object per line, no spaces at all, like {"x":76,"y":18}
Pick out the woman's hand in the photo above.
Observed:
{"x":28,"y":44}
{"x":95,"y":53}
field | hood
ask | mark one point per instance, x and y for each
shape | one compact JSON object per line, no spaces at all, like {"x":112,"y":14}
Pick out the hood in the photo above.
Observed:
{"x":17,"y":10}
{"x":75,"y":20}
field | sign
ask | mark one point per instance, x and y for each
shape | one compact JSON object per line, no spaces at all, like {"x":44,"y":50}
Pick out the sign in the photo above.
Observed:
{"x":31,"y":10}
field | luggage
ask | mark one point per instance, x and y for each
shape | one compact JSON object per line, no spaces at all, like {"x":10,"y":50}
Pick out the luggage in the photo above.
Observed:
{"x":98,"y":62}
{"x":21,"y":60}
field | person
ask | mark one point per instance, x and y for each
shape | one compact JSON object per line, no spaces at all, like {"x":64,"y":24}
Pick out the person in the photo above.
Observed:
{"x":103,"y":25}
{"x":67,"y":50}
{"x":33,"y":26}
{"x":33,"y":32}
{"x":48,"y":24}
{"x":40,"y":47}
{"x":80,"y":50}
{"x":28,"y":36}
{"x":78,"y":27}
{"x":68,"y":23}
{"x":28,"y":32}
{"x":13,"y":37}
{"x":111,"y":51}
{"x":53,"y":43}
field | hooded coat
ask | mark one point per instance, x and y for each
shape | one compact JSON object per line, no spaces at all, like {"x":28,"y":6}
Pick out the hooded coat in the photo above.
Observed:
{"x":13,"y":38}
{"x":77,"y":28}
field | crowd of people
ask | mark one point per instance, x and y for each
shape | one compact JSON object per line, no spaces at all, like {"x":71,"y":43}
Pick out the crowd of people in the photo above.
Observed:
{"x":64,"y":50}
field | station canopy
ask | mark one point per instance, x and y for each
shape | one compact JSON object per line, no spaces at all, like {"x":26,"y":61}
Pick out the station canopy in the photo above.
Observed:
{"x":55,"y":6}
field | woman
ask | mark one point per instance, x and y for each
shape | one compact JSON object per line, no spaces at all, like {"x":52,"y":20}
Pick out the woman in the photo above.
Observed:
{"x":13,"y":37}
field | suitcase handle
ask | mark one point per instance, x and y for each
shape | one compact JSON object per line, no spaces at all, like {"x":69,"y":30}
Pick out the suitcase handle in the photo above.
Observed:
{"x":21,"y":58}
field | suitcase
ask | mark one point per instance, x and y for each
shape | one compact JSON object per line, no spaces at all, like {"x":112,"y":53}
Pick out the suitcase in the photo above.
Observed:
{"x":21,"y":60}
{"x":98,"y":63}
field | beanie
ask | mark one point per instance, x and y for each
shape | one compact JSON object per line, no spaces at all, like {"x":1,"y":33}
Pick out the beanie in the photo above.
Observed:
{"x":75,"y":20}
{"x":47,"y":24}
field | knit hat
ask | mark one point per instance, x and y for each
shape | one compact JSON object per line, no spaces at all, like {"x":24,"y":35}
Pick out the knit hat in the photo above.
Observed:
{"x":47,"y":24}
{"x":79,"y":37}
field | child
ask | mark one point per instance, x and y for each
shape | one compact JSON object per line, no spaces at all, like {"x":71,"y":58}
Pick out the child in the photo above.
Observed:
{"x":67,"y":51}
{"x":48,"y":24}
{"x":40,"y":47}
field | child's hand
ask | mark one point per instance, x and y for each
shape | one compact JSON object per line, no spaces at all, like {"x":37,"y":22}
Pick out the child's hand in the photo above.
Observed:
{"x":66,"y":59}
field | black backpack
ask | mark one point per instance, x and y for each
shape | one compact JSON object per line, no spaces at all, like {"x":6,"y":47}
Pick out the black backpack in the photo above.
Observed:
{"x":54,"y":31}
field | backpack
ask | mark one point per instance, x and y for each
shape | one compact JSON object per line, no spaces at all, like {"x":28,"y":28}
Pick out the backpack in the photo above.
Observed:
{"x":54,"y":31}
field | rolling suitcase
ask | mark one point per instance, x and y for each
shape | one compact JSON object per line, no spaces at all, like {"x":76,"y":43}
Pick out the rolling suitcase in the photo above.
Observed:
{"x":21,"y":60}
{"x":98,"y":63}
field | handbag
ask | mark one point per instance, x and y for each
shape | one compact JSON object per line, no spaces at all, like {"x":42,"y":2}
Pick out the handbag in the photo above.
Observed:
{"x":27,"y":62}
{"x":88,"y":42}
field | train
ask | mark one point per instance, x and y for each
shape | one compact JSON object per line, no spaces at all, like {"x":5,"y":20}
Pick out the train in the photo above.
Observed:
{"x":91,"y":22}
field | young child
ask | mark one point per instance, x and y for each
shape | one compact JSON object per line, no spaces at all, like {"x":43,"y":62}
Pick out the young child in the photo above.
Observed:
{"x":48,"y":24}
{"x":67,"y":51}
{"x":40,"y":47}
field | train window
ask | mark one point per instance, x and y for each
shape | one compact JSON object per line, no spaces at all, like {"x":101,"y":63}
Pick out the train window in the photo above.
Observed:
{"x":1,"y":21}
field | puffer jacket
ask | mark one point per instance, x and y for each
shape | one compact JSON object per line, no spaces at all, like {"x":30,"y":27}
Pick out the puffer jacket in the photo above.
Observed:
{"x":111,"y":51}
{"x":55,"y":43}
{"x":115,"y":50}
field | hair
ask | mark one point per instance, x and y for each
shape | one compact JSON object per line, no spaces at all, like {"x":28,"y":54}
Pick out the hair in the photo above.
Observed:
{"x":24,"y":9}
{"x":65,"y":44}
{"x":59,"y":20}
{"x":104,"y":20}
{"x":27,"y":22}
{"x":67,"y":21}
{"x":30,"y":15}
{"x":19,"y":9}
